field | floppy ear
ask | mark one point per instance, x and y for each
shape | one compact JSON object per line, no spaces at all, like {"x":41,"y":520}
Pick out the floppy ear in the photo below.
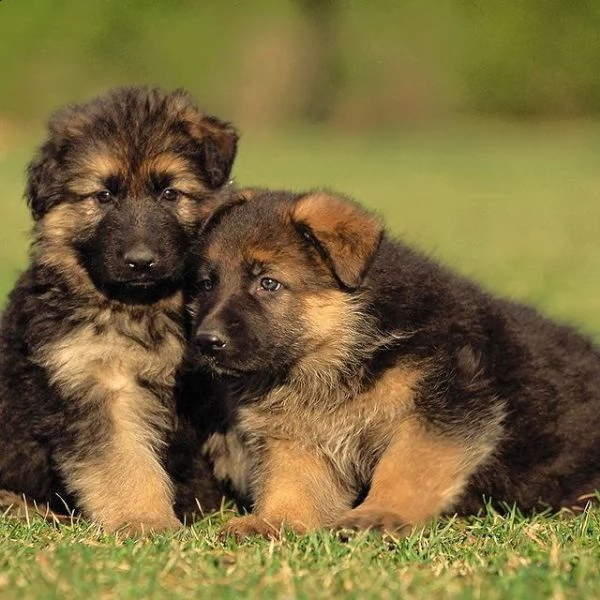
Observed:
{"x":345,"y":235}
{"x":44,"y":173}
{"x":218,"y":145}
{"x":43,"y":191}
{"x":222,"y":203}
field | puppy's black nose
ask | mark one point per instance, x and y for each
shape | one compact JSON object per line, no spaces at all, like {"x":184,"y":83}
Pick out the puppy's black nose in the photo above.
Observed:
{"x":140,"y":258}
{"x":209,"y":341}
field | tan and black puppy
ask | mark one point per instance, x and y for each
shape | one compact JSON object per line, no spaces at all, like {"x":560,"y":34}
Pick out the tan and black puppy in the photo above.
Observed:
{"x":93,"y":332}
{"x":370,"y":387}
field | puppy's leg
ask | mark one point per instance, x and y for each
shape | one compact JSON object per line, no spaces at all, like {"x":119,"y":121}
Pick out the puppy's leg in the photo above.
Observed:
{"x":295,"y":489}
{"x":420,"y":475}
{"x":117,"y":473}
{"x":125,"y":491}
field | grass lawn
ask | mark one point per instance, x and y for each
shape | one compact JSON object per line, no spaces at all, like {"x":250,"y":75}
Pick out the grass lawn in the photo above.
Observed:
{"x":489,"y":557}
{"x":518,"y":208}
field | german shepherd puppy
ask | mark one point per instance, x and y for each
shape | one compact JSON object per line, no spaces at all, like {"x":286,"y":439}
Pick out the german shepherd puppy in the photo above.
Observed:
{"x":93,"y":332}
{"x":370,"y":387}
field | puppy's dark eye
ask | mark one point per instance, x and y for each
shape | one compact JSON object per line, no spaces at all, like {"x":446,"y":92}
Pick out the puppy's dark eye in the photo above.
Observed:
{"x":270,"y":285}
{"x":104,"y":196}
{"x":206,"y":284}
{"x":170,"y":194}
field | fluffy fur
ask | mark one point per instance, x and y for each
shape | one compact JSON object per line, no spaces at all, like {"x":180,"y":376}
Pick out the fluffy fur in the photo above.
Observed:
{"x":94,"y":330}
{"x":370,"y":387}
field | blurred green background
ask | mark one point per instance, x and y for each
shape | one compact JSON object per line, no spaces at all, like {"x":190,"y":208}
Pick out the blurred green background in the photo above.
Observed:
{"x":471,"y":125}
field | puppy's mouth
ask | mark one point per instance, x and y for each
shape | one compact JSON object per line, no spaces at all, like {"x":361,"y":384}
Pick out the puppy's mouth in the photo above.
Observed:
{"x":141,"y":290}
{"x":140,"y":283}
{"x":218,"y":367}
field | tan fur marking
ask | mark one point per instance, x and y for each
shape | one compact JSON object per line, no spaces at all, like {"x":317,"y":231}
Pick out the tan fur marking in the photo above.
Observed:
{"x":59,"y":225}
{"x":420,"y":475}
{"x":297,"y":491}
{"x":127,"y":485}
{"x":172,"y":164}
{"x":265,"y":256}
{"x":348,"y":233}
{"x":333,"y":422}
{"x":70,"y":367}
{"x":329,"y":212}
{"x":97,"y":167}
{"x":298,"y":488}
{"x":124,"y":482}
{"x":93,"y":169}
{"x":246,"y":194}
{"x":102,"y":164}
{"x":394,"y":392}
{"x":326,"y":313}
{"x":179,"y":169}
{"x":337,"y":336}
{"x":54,"y":234}
{"x":190,"y":211}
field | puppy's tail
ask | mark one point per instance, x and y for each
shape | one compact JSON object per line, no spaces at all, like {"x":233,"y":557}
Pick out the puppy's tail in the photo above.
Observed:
{"x":19,"y":506}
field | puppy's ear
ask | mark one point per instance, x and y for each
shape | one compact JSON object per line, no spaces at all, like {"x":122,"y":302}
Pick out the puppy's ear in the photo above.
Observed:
{"x":42,"y":191}
{"x":44,"y":173}
{"x":221,"y":204}
{"x":217,"y":141}
{"x":345,"y":235}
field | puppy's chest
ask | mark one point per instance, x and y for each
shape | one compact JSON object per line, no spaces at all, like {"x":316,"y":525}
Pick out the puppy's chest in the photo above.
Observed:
{"x":112,"y":354}
{"x":349,"y":429}
{"x":349,"y":437}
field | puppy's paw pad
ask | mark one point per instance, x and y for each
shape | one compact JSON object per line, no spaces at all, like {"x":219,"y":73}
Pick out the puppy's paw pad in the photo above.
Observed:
{"x":137,"y":527}
{"x":241,"y":528}
{"x":361,"y":519}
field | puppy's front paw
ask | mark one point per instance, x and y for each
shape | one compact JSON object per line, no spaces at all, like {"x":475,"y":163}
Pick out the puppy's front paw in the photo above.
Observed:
{"x":359,"y":519}
{"x":250,"y":525}
{"x":135,"y":526}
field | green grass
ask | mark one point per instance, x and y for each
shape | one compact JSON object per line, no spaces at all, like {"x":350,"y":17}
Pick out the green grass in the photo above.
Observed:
{"x":488,"y":557}
{"x":518,"y":208}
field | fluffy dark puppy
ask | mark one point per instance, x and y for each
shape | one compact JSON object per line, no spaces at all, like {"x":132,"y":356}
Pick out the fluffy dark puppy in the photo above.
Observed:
{"x":370,"y":387}
{"x":93,"y":332}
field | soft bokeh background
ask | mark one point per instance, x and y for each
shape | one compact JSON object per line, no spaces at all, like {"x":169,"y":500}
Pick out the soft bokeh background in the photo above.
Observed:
{"x":471,"y":125}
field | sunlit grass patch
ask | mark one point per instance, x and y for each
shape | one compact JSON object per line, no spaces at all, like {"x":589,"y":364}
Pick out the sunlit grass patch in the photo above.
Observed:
{"x":492,"y":556}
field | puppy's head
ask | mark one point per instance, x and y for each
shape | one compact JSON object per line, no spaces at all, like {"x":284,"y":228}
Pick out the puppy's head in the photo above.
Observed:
{"x":121,"y":185}
{"x":279,"y":283}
